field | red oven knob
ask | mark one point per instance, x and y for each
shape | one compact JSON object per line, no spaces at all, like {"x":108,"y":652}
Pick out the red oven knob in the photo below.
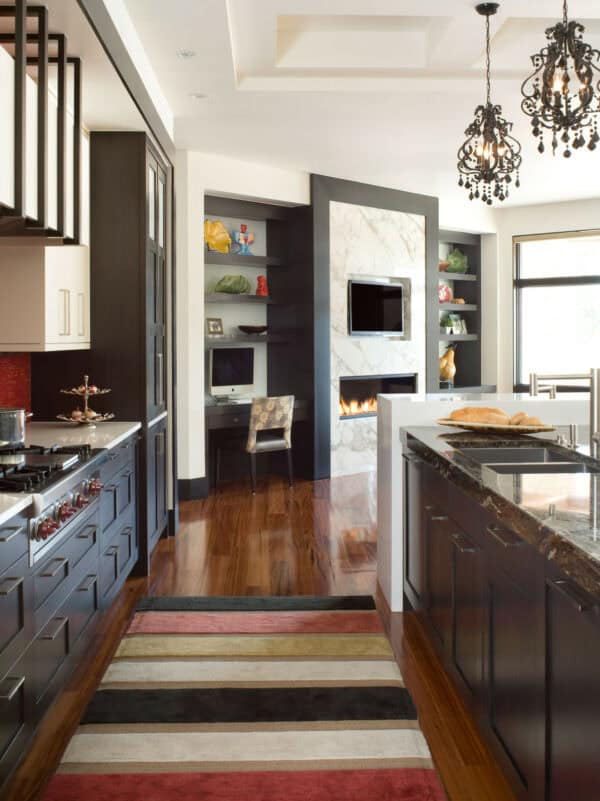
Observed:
{"x":96,"y":486}
{"x":46,"y":528}
{"x":66,"y":511}
{"x":81,"y":502}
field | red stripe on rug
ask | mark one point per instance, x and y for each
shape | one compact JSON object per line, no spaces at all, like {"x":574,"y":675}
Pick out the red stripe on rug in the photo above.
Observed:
{"x":410,"y":784}
{"x":255,"y":623}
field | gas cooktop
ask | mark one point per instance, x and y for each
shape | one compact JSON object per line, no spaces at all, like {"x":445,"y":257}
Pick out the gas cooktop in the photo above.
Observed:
{"x":35,"y":469}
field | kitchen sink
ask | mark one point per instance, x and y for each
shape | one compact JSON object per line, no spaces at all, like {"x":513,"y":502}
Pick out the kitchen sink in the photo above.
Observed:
{"x":512,"y":456}
{"x":540,"y":468}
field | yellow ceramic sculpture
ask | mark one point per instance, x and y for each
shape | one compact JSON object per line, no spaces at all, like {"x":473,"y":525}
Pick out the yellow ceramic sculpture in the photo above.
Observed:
{"x":216,"y":236}
{"x":447,"y":366}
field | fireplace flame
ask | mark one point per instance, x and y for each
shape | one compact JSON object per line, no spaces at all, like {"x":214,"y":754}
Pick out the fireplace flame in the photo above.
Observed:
{"x":351,"y":408}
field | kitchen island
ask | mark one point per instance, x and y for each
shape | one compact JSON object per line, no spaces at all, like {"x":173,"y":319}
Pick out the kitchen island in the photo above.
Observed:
{"x":502,"y":566}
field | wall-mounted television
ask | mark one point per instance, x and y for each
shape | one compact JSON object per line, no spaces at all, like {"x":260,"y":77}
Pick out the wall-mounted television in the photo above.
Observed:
{"x":379,"y":307}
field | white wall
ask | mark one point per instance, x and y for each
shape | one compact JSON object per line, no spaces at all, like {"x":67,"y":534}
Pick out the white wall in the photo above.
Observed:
{"x":497,"y":303}
{"x":198,"y":174}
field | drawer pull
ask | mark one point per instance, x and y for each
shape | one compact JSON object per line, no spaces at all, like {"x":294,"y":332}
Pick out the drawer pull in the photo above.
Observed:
{"x":127,"y":474}
{"x":60,"y":563}
{"x":87,"y":533}
{"x":463,"y":544}
{"x":17,"y":683}
{"x":577,"y":597}
{"x":14,"y":532}
{"x":127,"y":531}
{"x":9,"y":585}
{"x":506,"y":538}
{"x":112,"y":550}
{"x":87,"y":584}
{"x":113,"y":456}
{"x":61,"y":623}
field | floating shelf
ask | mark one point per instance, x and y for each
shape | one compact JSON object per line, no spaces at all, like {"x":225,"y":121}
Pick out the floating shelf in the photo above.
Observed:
{"x":229,"y":259}
{"x":458,"y":276}
{"x":226,"y":297}
{"x":458,"y":337}
{"x":458,"y":307}
{"x":237,"y":339}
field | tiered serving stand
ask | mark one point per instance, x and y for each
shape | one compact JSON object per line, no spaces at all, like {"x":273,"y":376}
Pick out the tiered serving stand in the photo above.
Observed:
{"x":87,"y":416}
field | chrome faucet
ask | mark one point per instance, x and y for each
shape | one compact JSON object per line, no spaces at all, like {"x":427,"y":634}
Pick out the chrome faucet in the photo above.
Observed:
{"x":594,"y":378}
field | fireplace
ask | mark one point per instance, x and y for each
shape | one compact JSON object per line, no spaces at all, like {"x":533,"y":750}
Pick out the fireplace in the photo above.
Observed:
{"x":358,"y":394}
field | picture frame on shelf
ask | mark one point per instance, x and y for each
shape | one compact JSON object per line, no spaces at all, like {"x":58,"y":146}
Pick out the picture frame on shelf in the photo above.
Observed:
{"x":214,"y":327}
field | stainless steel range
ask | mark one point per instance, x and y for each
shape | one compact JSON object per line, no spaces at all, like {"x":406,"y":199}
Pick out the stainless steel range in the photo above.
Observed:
{"x":63,"y":482}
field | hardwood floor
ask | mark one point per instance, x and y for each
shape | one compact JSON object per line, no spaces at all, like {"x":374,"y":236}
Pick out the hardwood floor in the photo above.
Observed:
{"x":317,"y":539}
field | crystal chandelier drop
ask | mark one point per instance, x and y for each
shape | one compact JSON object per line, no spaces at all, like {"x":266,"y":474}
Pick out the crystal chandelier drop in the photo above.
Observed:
{"x":490,"y":156}
{"x":560,"y":95}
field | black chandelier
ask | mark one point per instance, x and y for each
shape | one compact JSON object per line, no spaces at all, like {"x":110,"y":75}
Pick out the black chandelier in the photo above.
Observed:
{"x":549,"y":97}
{"x":490,"y":155}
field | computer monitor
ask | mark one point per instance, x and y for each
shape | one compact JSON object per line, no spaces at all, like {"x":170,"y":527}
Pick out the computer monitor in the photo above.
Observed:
{"x":231,"y":372}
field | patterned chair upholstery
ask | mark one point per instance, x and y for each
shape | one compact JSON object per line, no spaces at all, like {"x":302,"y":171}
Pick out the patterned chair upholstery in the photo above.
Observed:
{"x":270,"y":414}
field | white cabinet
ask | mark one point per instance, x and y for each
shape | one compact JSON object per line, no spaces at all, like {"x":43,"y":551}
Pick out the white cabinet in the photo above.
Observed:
{"x":45,"y":298}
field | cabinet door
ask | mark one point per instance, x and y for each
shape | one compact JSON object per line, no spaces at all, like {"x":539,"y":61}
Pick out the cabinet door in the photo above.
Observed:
{"x":439,"y":573}
{"x":573,"y":668}
{"x":67,"y":297}
{"x":414,"y":543}
{"x":156,"y":289}
{"x":157,"y":482}
{"x":469,"y":613}
{"x":516,"y":655}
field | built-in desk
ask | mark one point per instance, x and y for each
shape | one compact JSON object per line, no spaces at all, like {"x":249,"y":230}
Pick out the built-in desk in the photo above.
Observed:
{"x":230,"y":420}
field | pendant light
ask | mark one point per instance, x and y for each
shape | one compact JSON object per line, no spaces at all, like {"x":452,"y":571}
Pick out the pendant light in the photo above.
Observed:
{"x":490,"y":156}
{"x":560,"y":95}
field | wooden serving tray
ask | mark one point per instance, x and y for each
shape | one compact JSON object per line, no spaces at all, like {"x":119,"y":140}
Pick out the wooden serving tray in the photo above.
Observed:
{"x":495,"y":428}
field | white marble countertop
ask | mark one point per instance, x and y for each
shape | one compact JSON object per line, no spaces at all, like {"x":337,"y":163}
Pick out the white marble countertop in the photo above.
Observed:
{"x":11,"y":503}
{"x":105,"y":435}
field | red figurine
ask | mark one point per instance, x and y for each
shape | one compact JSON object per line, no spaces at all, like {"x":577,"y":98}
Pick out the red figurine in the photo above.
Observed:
{"x":261,"y":286}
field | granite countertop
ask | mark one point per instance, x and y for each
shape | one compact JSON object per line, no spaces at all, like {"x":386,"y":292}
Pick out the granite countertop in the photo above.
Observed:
{"x":556,"y":513}
{"x":106,"y":435}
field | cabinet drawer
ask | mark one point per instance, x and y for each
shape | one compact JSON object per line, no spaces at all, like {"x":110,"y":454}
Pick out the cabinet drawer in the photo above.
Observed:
{"x":108,"y":505}
{"x":109,"y":568}
{"x":14,"y":540}
{"x":13,"y":604}
{"x":12,"y":708}
{"x":127,"y":543}
{"x":48,"y":652}
{"x":125,"y":489}
{"x":50,"y":576}
{"x":116,"y":459}
{"x":82,"y":605}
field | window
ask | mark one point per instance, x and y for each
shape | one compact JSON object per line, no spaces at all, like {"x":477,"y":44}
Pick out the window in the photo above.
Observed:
{"x":557,"y":305}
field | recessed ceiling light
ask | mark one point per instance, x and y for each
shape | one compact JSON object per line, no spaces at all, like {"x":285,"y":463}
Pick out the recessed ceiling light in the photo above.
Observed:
{"x":198,"y":95}
{"x":186,"y":53}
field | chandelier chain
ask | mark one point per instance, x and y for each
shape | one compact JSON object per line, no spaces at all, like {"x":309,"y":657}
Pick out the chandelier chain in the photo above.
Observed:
{"x":565,"y":13}
{"x":487,"y":58}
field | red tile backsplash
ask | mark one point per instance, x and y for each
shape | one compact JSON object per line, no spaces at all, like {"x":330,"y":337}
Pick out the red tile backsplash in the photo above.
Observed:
{"x":15,"y":380}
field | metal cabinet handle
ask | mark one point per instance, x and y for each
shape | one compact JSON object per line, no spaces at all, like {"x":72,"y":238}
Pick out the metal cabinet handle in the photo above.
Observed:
{"x":62,"y":622}
{"x":126,"y":531}
{"x":14,"y":532}
{"x":576,"y":596}
{"x":160,"y":379}
{"x":91,"y":531}
{"x":17,"y":683}
{"x":112,"y":550}
{"x":506,"y":538}
{"x":127,"y":474}
{"x":87,"y":584}
{"x":9,"y":585}
{"x":60,"y":563}
{"x":462,"y":543}
{"x":434,"y":514}
{"x":113,"y":456}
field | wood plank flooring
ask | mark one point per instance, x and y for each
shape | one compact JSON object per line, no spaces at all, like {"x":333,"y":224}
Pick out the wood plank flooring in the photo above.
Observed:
{"x":317,"y":539}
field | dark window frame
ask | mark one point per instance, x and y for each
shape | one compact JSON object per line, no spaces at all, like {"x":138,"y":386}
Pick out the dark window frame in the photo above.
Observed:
{"x":520,"y":283}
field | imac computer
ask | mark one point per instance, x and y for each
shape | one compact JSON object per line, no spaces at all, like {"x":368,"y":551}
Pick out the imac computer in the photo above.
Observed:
{"x":231,"y":373}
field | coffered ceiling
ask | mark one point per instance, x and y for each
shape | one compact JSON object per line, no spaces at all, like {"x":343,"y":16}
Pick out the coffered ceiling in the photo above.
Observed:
{"x":373,"y":90}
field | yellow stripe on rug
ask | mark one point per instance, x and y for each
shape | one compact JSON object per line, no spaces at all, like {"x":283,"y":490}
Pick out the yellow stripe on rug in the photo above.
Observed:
{"x":323,"y":646}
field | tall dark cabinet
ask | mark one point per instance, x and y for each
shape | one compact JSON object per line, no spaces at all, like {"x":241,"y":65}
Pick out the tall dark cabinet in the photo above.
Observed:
{"x":130,"y":229}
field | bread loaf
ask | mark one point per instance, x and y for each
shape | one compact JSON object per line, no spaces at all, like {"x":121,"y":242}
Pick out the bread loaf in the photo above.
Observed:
{"x":480,"y":414}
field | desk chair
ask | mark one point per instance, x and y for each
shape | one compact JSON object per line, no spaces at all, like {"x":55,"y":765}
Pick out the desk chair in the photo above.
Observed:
{"x":270,"y":430}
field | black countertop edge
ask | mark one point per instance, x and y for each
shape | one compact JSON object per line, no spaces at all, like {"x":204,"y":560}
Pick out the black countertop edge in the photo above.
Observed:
{"x":570,"y":542}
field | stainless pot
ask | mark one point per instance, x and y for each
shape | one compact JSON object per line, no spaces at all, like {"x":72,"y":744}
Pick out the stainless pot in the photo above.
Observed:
{"x":12,"y":427}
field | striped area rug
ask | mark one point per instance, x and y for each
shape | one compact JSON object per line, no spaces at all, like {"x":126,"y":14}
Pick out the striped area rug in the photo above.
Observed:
{"x":250,"y":699}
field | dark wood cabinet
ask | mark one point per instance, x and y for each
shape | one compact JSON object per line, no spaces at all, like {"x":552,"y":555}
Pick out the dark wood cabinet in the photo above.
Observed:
{"x":521,"y":641}
{"x":573,"y":692}
{"x":157,"y":468}
{"x":414,"y":541}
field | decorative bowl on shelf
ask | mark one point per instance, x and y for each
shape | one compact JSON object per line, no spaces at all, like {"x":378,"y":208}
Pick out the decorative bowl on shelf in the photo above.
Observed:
{"x":444,"y":264}
{"x":253,"y":329}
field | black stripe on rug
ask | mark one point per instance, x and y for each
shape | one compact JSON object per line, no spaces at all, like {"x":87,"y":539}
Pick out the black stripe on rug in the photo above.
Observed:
{"x":241,"y":705}
{"x":297,"y":603}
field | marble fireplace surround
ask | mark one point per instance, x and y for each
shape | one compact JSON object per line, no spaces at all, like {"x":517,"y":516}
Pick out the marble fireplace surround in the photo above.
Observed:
{"x":371,"y":231}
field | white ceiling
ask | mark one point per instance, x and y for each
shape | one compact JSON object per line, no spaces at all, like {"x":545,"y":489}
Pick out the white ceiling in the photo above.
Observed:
{"x":372,"y":90}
